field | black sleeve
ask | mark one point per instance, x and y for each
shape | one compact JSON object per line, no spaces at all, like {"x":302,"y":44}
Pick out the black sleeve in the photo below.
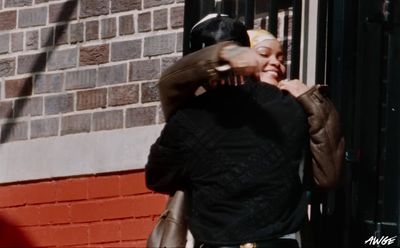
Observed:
{"x":166,"y":168}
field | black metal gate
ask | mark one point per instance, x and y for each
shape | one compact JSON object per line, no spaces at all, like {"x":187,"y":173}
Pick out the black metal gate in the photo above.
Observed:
{"x":364,"y":74}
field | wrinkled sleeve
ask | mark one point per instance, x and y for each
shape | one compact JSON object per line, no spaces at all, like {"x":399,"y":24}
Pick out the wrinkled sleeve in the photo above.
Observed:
{"x":326,"y":140}
{"x":166,"y":168}
{"x":179,"y":82}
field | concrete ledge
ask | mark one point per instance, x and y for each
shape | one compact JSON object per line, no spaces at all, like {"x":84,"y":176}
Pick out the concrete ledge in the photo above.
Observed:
{"x":79,"y":154}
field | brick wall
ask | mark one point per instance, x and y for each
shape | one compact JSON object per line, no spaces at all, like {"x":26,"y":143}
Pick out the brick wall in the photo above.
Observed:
{"x":71,"y":71}
{"x":70,"y":67}
{"x":113,"y":210}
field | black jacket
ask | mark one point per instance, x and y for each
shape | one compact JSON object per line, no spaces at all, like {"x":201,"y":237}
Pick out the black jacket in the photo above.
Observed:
{"x":236,"y":153}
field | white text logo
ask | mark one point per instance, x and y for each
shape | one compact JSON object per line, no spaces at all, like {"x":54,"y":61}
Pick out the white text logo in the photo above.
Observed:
{"x":384,"y":240}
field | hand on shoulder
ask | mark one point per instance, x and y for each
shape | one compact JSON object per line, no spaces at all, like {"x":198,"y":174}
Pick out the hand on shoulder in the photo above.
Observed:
{"x":295,"y":87}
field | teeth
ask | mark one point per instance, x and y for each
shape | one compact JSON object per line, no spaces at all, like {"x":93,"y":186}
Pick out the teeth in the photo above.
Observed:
{"x":273,"y":73}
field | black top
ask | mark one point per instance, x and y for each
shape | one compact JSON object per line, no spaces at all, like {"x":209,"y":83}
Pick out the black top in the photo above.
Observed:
{"x":236,"y":152}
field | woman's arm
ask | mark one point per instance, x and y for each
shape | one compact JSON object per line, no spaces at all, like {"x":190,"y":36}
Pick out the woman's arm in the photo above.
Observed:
{"x":166,"y":168}
{"x":326,"y":140}
{"x":179,"y":82}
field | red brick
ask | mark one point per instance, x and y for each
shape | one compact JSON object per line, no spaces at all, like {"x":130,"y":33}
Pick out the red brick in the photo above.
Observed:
{"x":176,"y":16}
{"x":141,"y":116}
{"x":126,"y":25}
{"x":159,"y":44}
{"x":90,"y":99}
{"x":62,"y":59}
{"x":160,"y":19}
{"x":92,"y":30}
{"x":76,"y":33}
{"x":46,"y":37}
{"x":28,"y":106}
{"x":106,"y":186}
{"x":144,"y":69}
{"x":71,"y":189}
{"x":132,"y":184}
{"x":125,"y":5}
{"x":123,"y":95}
{"x":75,"y":124}
{"x":15,"y":237}
{"x":148,"y":205}
{"x":58,"y":13}
{"x":17,"y":3}
{"x":71,"y":235}
{"x":32,"y":40}
{"x":154,"y":3}
{"x":14,"y":131}
{"x":114,"y":74}
{"x":117,"y":208}
{"x":8,"y":20}
{"x":94,"y":55}
{"x":136,"y":244}
{"x":62,"y":103}
{"x":86,"y":212}
{"x":94,"y":8}
{"x":150,"y":92}
{"x":82,"y":246}
{"x":48,"y":83}
{"x":144,"y":22}
{"x":136,"y":229}
{"x":126,"y":50}
{"x":61,"y":36}
{"x":40,"y":192}
{"x":54,"y":214}
{"x":104,"y":232}
{"x":80,"y":79}
{"x":108,"y":28}
{"x":44,"y":128}
{"x":39,"y":236}
{"x":22,"y":216}
{"x":7,"y":67}
{"x":161,"y":117}
{"x":31,"y":63}
{"x":166,"y":62}
{"x":12,"y":195}
{"x":18,"y":87}
{"x":30,"y":17}
{"x":4,"y":42}
{"x":108,"y":120}
{"x":6,"y":110}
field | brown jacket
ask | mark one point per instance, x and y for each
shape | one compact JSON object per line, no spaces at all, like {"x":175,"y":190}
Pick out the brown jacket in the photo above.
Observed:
{"x":179,"y":83}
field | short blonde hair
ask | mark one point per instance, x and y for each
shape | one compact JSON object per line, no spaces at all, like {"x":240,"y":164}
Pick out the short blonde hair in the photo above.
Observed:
{"x":259,"y":35}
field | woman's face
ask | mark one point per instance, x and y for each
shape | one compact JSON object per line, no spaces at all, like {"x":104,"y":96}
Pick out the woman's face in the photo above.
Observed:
{"x":272,"y":68}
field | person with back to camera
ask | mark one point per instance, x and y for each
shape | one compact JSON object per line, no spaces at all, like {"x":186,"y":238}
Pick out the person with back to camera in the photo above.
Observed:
{"x":235,"y":150}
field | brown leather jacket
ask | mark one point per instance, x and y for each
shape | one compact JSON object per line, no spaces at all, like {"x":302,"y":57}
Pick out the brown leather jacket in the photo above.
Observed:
{"x":179,"y":83}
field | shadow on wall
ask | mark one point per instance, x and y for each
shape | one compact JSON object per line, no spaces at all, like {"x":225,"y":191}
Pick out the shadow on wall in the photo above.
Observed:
{"x":39,"y":65}
{"x":12,"y":237}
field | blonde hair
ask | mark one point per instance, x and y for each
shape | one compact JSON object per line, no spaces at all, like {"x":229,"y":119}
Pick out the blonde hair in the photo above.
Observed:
{"x":259,"y":35}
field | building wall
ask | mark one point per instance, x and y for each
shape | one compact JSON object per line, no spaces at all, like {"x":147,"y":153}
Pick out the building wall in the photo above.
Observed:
{"x":81,"y":68}
{"x":113,"y":210}
{"x":79,"y":108}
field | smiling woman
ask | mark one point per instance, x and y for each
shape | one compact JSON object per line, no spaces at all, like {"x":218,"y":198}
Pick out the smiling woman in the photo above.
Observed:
{"x":266,"y":45}
{"x":271,"y":61}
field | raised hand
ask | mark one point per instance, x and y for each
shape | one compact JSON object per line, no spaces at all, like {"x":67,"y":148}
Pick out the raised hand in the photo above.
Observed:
{"x":242,"y":61}
{"x":294,"y":87}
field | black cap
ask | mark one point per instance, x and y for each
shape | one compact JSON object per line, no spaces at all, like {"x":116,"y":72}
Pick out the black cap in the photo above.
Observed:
{"x":216,"y":28}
